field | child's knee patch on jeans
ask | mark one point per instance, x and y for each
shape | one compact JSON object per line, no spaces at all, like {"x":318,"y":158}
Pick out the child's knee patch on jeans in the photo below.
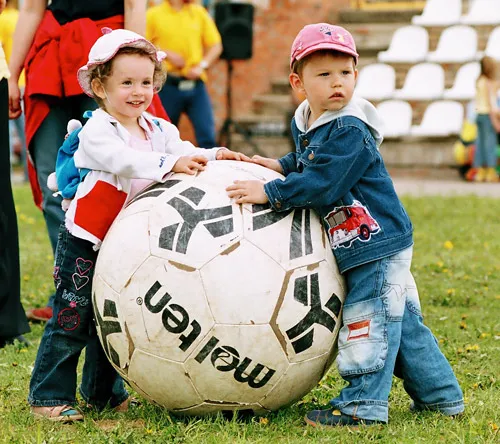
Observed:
{"x":363,"y":338}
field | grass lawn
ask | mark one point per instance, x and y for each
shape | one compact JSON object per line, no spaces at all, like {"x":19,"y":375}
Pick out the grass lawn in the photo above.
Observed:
{"x":456,"y":266}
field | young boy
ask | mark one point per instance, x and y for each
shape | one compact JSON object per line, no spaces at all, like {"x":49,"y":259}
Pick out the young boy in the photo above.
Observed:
{"x":338,"y":171}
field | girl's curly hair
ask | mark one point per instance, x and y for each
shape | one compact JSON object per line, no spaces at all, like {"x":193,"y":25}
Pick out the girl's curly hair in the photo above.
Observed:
{"x":103,"y":71}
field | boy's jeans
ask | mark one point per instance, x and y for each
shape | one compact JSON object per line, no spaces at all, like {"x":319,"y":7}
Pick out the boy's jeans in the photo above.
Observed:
{"x":382,"y":334}
{"x":69,"y":331}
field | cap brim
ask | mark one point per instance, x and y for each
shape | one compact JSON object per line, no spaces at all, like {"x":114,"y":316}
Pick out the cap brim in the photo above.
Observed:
{"x":83,"y":76}
{"x":327,"y":45}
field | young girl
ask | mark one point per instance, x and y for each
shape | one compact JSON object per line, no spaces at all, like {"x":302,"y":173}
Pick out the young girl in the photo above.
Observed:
{"x":125,"y":149}
{"x":488,"y":124}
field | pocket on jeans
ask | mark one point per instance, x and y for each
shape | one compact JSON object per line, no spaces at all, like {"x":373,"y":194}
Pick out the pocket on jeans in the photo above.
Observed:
{"x":362,"y":338}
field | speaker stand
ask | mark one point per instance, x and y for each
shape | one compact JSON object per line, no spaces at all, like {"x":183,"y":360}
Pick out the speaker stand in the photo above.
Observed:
{"x":229,"y":124}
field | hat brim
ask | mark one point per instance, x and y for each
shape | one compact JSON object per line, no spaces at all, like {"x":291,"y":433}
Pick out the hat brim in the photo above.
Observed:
{"x":326,"y":45}
{"x":85,"y":72}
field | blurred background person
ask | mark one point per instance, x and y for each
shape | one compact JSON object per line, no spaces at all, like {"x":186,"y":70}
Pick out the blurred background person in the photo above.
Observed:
{"x":485,"y":157}
{"x":52,"y":40}
{"x":8,"y":21}
{"x":187,"y":33}
{"x":13,"y":321}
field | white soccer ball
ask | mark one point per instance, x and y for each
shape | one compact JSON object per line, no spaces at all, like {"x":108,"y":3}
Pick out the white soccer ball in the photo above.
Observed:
{"x":203,"y":305}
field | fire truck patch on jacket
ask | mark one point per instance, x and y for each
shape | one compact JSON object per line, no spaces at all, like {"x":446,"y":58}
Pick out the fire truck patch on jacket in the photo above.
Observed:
{"x":350,"y":223}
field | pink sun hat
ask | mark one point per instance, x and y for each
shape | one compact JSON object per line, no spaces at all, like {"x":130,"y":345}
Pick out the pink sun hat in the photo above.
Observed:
{"x":107,"y":46}
{"x":312,"y":38}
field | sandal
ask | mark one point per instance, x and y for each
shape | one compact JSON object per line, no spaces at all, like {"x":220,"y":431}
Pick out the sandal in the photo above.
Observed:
{"x":62,"y":413}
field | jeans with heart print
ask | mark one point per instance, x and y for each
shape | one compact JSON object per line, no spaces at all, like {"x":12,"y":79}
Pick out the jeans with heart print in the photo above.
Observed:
{"x":69,"y":331}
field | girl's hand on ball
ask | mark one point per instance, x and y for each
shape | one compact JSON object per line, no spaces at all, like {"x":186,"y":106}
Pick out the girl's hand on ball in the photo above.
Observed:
{"x":247,"y":191}
{"x":190,"y":164}
{"x":267,"y":162}
{"x":226,"y":154}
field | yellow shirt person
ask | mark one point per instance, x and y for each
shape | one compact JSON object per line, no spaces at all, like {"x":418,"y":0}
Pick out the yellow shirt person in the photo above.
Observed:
{"x":188,"y":31}
{"x":8,"y":20}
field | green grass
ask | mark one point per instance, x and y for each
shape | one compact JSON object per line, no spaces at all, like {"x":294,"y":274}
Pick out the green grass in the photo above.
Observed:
{"x":456,"y":265}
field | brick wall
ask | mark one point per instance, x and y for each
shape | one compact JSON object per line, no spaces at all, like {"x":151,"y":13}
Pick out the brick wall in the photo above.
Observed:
{"x":276,"y":23}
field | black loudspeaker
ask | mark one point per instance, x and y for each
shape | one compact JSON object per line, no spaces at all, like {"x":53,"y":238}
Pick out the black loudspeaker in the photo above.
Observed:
{"x":235,"y":24}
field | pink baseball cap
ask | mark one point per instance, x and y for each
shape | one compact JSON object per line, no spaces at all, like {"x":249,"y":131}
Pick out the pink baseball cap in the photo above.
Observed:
{"x":105,"y":49}
{"x":318,"y":36}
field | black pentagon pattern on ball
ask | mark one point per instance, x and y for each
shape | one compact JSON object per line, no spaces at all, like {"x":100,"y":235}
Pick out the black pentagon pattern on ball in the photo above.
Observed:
{"x":192,"y":217}
{"x":316,"y":314}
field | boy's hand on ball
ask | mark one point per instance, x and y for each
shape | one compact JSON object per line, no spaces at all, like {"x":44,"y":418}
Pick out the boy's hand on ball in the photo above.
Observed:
{"x":267,"y":162}
{"x":226,"y":154}
{"x":247,"y":191}
{"x":190,"y":164}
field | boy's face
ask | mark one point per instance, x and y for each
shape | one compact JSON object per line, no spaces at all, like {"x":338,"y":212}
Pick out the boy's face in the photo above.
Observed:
{"x":327,"y":80}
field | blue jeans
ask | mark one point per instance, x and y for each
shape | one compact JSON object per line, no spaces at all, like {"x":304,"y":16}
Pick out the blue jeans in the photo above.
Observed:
{"x":382,"y":334}
{"x":486,"y":143}
{"x":196,"y":104}
{"x":69,"y":331}
{"x":44,"y":147}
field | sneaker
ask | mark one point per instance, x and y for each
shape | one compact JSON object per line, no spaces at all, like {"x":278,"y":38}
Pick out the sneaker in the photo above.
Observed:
{"x":58,"y":413}
{"x":480,"y":175}
{"x":491,"y":175}
{"x":39,"y":314}
{"x":334,"y":418}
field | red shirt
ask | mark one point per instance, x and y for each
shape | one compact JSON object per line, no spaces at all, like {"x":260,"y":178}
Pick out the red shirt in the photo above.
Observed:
{"x":55,"y":56}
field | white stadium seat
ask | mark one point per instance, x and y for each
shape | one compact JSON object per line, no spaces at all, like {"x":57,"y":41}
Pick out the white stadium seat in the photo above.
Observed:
{"x":376,"y":82}
{"x":409,"y":44}
{"x":441,"y":119}
{"x":439,"y":13}
{"x":482,"y":12}
{"x":397,"y":115}
{"x":493,"y":44}
{"x":464,"y":86}
{"x":457,"y":44}
{"x":424,"y":81}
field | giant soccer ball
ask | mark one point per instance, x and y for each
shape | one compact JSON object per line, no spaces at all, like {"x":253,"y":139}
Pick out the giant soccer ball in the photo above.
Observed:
{"x":203,"y":305}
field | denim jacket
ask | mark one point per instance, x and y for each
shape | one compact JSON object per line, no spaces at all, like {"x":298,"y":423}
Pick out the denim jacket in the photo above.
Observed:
{"x":338,"y":171}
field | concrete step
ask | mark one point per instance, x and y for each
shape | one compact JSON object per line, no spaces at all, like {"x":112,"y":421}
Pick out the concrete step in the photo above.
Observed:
{"x":347,"y":16}
{"x":281,"y":85}
{"x":483,"y":32}
{"x":371,"y":38}
{"x":266,"y":125}
{"x":273,"y":147}
{"x":409,"y":152}
{"x":414,"y":152}
{"x":401,"y":69}
{"x":419,"y":106}
{"x":272,"y":103}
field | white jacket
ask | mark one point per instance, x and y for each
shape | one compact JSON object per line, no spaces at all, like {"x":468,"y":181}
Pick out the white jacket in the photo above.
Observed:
{"x":105,"y":149}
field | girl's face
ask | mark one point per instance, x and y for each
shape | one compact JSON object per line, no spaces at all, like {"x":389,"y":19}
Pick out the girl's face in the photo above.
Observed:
{"x":128,"y":91}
